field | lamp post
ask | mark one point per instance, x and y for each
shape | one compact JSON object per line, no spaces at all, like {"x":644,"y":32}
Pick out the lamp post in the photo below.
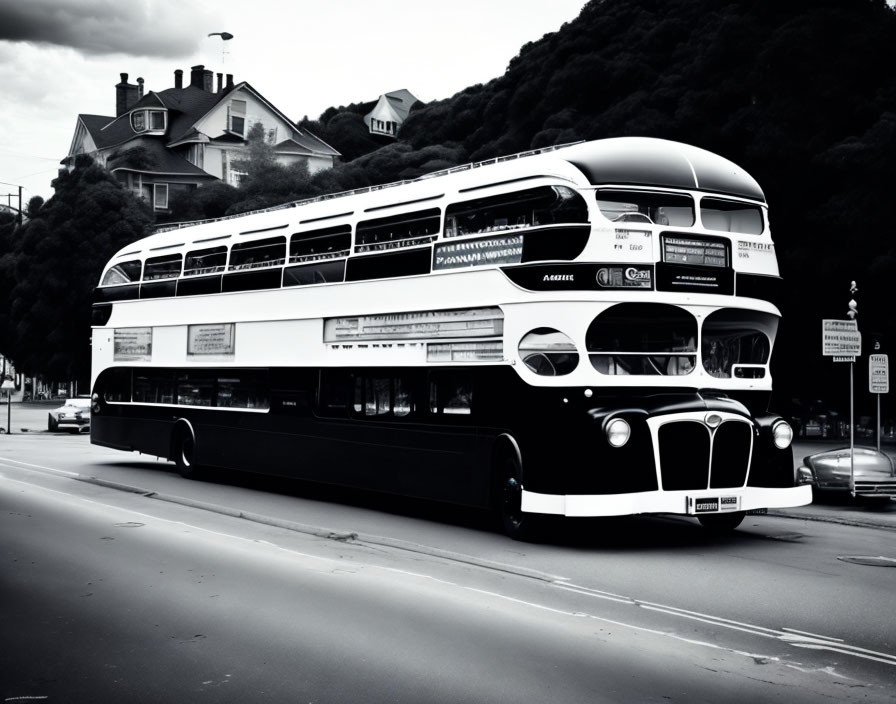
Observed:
{"x":225,"y":37}
{"x":853,"y":312}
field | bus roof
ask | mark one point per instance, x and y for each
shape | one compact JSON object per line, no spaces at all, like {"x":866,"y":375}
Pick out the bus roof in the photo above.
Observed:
{"x":645,"y":161}
{"x":636,"y":161}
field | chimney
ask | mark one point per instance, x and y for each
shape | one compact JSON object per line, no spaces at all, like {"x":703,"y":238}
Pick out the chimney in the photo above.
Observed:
{"x":125,"y":95}
{"x":220,"y":81}
{"x":229,"y":81}
{"x":139,"y":89}
{"x":208,"y":81}
{"x":196,"y":75}
{"x":178,"y":78}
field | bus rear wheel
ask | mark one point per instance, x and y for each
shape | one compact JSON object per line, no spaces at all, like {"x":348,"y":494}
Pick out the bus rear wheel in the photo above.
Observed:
{"x":720,"y":523}
{"x":184,"y":452}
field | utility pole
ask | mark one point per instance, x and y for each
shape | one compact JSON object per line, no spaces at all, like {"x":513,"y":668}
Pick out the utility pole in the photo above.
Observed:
{"x":9,"y":199}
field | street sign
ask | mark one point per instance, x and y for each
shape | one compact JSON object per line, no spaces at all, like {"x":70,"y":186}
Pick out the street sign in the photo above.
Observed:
{"x":844,"y":359}
{"x":878,"y":374}
{"x":7,"y":385}
{"x":841,"y":338}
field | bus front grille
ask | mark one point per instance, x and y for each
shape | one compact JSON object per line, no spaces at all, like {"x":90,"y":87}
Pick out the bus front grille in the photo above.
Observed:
{"x":693,"y":456}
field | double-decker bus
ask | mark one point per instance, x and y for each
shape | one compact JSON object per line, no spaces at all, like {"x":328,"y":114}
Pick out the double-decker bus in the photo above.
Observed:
{"x":583,"y":330}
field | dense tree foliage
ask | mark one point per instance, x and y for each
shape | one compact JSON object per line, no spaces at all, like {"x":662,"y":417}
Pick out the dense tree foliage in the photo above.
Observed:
{"x":344,"y":126}
{"x":53,"y":264}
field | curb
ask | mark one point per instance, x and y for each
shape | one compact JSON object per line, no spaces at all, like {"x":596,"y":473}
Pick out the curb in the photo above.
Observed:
{"x":841,"y":520}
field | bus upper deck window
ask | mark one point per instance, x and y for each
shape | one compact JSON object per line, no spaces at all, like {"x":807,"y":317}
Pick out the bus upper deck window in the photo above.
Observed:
{"x":205,"y":261}
{"x":258,"y":253}
{"x":731,"y":216}
{"x":530,"y":207}
{"x":619,"y":205}
{"x":164,"y":267}
{"x":123,"y":273}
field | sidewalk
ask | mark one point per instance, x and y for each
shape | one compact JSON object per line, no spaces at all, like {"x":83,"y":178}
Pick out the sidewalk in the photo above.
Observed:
{"x":846,"y":513}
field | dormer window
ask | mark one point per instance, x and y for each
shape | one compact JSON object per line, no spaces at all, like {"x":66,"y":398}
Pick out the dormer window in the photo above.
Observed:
{"x":149,"y":120}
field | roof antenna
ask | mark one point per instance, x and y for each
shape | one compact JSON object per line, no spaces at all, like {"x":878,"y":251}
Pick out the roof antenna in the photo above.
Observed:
{"x":224,"y":37}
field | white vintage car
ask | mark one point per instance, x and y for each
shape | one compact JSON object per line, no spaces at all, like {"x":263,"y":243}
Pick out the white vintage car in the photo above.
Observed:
{"x":829,"y":471}
{"x":74,"y":414}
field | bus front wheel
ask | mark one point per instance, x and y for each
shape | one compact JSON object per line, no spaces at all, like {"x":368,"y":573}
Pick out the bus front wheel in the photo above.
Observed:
{"x":184,"y":452}
{"x":516,"y":523}
{"x":720,"y":523}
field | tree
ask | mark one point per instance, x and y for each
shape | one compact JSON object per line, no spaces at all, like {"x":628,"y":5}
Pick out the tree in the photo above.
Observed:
{"x":56,"y":261}
{"x":267,"y":181}
{"x":213,"y":200}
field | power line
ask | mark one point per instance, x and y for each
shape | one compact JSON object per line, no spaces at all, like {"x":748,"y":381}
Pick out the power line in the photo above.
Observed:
{"x":28,"y":156}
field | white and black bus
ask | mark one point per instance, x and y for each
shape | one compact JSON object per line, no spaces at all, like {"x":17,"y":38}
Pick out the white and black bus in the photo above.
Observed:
{"x":578,"y":331}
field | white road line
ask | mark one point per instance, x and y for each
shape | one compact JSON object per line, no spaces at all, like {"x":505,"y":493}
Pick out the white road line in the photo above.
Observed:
{"x":799,"y":639}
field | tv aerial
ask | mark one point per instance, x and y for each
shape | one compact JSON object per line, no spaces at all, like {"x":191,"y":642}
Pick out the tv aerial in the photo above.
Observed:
{"x":225,"y":36}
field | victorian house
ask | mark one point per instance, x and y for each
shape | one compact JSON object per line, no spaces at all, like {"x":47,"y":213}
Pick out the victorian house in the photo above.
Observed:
{"x":183,"y":137}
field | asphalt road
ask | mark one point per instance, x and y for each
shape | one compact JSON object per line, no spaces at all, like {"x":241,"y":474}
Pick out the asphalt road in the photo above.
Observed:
{"x":120,"y":581}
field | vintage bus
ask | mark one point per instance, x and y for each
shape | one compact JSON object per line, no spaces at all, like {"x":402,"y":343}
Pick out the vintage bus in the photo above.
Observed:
{"x":582,"y":330}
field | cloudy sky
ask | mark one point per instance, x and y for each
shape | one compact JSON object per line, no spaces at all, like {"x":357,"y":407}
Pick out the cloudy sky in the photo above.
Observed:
{"x":60,"y":58}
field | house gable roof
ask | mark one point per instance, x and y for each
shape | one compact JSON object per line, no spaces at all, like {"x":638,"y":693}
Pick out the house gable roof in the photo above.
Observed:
{"x":392,"y":107}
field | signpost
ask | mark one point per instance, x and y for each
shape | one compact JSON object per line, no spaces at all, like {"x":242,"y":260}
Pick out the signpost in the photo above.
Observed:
{"x":8,"y":386}
{"x":842,"y":340}
{"x":878,"y":382}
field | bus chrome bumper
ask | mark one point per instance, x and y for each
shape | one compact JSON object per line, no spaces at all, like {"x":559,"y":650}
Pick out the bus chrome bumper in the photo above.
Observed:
{"x":680,"y":502}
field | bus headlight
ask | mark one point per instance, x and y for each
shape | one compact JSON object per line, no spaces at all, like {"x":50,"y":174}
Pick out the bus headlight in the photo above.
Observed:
{"x":618,"y":432}
{"x":782,"y":434}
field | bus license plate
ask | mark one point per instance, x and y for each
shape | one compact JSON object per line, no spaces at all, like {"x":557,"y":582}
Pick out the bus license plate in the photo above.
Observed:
{"x":715,"y":504}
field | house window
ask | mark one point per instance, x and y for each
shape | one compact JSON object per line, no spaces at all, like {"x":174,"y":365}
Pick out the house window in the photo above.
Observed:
{"x":237,"y":117}
{"x":236,"y":177}
{"x":160,"y":196}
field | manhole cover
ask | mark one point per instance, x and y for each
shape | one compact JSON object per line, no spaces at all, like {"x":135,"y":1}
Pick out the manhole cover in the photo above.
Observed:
{"x":878,"y":561}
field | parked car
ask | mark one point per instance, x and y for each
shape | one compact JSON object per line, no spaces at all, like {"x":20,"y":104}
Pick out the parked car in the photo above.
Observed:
{"x":73,"y":415}
{"x":829,"y":471}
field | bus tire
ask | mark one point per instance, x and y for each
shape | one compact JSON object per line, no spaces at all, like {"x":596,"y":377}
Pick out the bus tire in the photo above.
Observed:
{"x":721,"y":523}
{"x":517,"y":524}
{"x":183,"y":450}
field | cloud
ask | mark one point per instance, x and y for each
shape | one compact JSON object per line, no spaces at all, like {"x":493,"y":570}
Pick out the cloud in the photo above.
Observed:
{"x":160,"y":28}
